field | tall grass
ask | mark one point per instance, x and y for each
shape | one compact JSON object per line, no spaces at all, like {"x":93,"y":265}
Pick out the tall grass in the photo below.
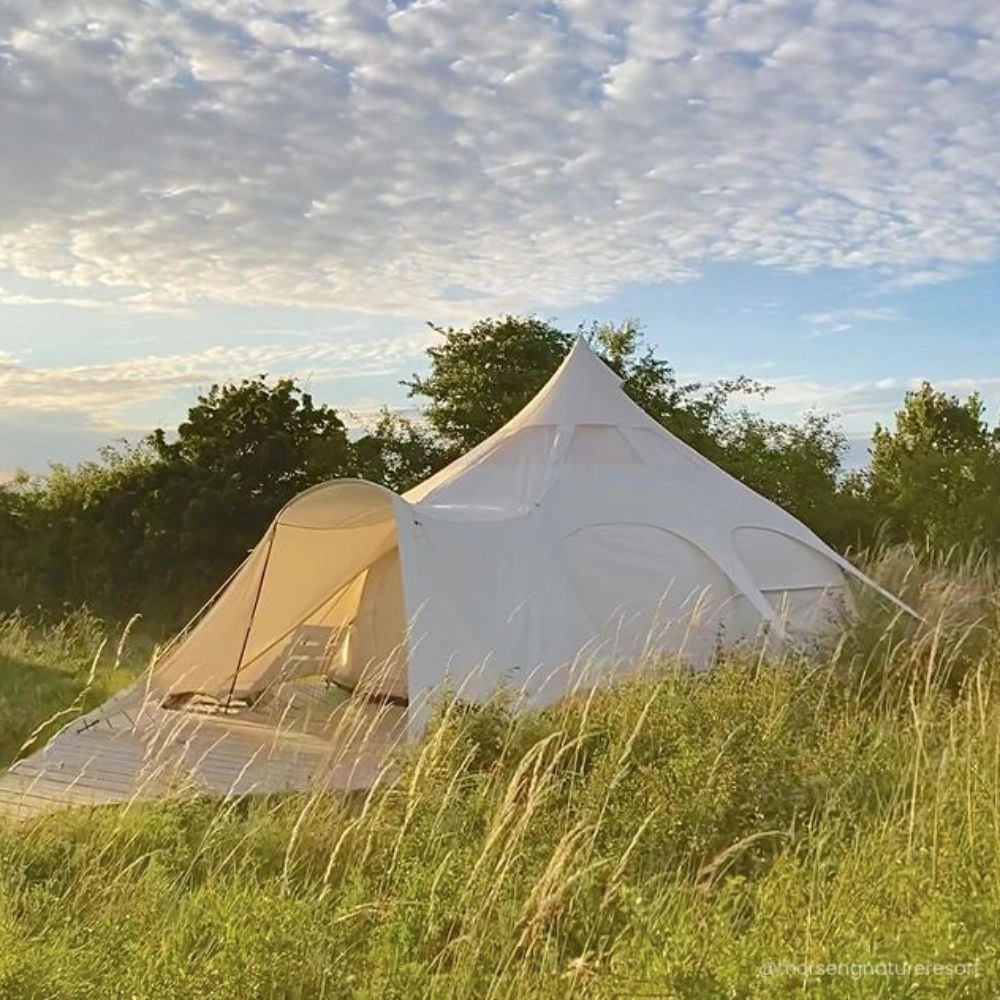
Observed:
{"x":51,"y":672}
{"x":670,"y":837}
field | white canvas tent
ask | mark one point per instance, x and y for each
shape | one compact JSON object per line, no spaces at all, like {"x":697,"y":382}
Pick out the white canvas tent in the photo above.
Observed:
{"x":572,"y":544}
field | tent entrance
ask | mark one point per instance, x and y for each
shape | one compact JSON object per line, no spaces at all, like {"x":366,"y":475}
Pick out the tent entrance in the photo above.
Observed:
{"x":356,"y":640}
{"x":319,"y":601}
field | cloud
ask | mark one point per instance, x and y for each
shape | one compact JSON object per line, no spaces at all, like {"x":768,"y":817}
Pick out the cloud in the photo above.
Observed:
{"x":19,"y":299}
{"x":102,"y":391}
{"x":140,"y":302}
{"x":933,"y":274}
{"x":389,"y":157}
{"x":842,"y":320}
{"x":858,"y":405}
{"x":29,"y":440}
{"x":362,"y":414}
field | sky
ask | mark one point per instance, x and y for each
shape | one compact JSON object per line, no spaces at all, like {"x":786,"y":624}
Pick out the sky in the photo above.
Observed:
{"x":196,"y":191}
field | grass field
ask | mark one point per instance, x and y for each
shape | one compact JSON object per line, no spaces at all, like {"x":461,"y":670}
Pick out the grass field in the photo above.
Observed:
{"x":675,"y":837}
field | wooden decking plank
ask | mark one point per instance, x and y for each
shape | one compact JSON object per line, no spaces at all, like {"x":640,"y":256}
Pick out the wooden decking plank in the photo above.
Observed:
{"x":104,"y":779}
{"x":66,"y":765}
{"x":121,"y":783}
{"x":132,"y":749}
{"x":42,"y":793}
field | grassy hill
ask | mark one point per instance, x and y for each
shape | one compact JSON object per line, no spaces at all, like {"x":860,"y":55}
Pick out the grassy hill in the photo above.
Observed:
{"x":674,"y":837}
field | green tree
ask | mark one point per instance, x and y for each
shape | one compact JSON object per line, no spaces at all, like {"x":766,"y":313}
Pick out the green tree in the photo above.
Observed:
{"x":935,"y":477}
{"x":16,"y":535}
{"x":157,"y":526}
{"x":481,"y":377}
{"x":799,"y":467}
{"x":75,"y":535}
{"x":268,"y":440}
{"x":243,"y":452}
{"x":398,"y":452}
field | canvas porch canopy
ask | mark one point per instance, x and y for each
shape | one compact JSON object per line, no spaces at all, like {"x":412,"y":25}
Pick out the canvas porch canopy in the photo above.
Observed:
{"x":580,"y":537}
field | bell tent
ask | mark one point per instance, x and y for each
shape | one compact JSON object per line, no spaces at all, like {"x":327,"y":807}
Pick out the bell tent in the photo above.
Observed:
{"x":580,"y":531}
{"x":574,"y":543}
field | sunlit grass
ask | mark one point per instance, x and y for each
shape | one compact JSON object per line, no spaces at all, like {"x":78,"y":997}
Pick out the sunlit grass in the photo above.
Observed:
{"x":49,"y":674}
{"x":666,"y":838}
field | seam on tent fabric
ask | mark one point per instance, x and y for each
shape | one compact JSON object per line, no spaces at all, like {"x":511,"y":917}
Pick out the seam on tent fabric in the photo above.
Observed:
{"x":842,"y":564}
{"x":737,"y":590}
{"x":464,"y":463}
{"x":338,"y":484}
{"x":687,"y":452}
{"x":556,"y":464}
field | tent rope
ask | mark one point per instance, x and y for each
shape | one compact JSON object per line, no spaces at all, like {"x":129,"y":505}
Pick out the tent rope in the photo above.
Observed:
{"x":253,"y":615}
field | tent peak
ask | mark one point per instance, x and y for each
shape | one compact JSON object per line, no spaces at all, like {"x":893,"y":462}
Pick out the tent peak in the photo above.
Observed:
{"x":584,"y":389}
{"x":581,"y":345}
{"x":581,"y":357}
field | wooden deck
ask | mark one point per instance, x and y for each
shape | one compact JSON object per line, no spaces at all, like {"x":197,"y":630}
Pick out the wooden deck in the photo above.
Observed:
{"x":131,"y":749}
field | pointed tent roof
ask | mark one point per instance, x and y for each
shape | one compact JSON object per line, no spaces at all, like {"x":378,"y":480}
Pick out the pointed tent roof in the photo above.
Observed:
{"x":515,"y":468}
{"x":582,"y":391}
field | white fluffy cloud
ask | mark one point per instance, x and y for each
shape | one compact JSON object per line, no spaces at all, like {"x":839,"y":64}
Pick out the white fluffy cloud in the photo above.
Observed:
{"x":842,"y":320}
{"x":858,"y":405}
{"x":374,"y":155}
{"x":100,"y":392}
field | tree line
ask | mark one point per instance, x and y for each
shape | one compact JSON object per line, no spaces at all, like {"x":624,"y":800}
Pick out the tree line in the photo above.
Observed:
{"x":155,"y":526}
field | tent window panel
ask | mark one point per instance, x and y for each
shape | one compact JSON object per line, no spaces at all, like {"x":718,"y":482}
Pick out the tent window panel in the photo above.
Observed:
{"x":780,"y":563}
{"x":659,"y":449}
{"x":648,"y":590}
{"x":809,"y":611}
{"x":601,"y":444}
{"x":806,"y":588}
{"x":528,"y":445}
{"x":516,"y":472}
